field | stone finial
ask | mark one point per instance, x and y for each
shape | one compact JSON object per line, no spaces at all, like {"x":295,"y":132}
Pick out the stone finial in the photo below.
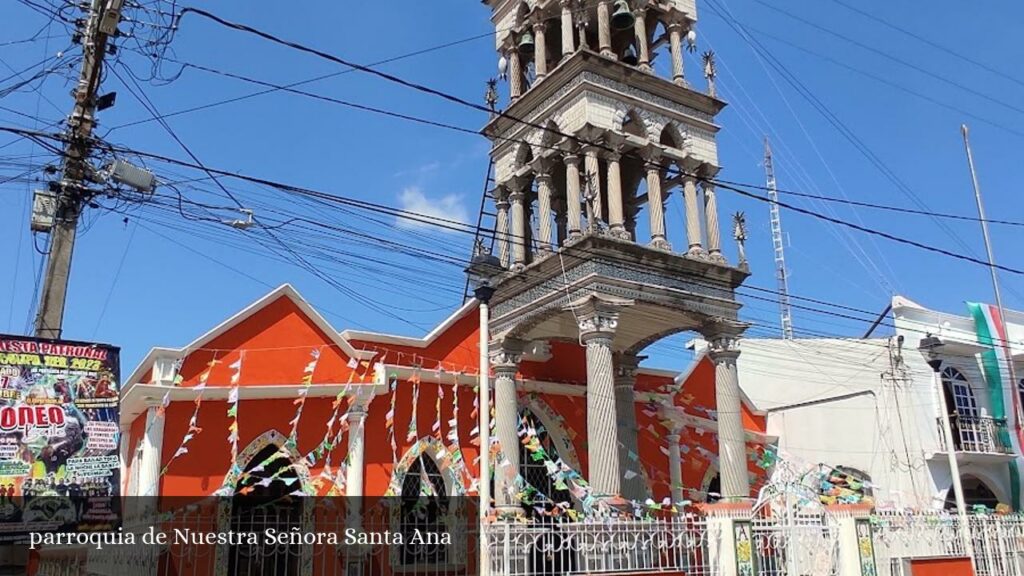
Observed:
{"x":710,"y":72}
{"x":491,"y":96}
{"x":739,"y":232}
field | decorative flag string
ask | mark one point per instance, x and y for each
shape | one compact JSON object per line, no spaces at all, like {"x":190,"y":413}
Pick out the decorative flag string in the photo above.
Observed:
{"x":300,"y":402}
{"x":193,"y":423}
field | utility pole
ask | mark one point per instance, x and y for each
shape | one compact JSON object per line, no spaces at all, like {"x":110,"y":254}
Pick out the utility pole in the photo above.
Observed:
{"x":72,"y":191}
{"x":781,"y":275}
{"x":991,"y":265}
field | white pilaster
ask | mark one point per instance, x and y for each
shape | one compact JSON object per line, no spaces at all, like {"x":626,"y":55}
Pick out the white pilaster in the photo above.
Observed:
{"x":693,"y":217}
{"x":544,"y":209}
{"x":152,"y":453}
{"x":572,"y":195}
{"x":540,"y":54}
{"x":567,"y":29}
{"x":714,"y":231}
{"x":633,"y":488}
{"x":597,"y":324}
{"x":675,"y":32}
{"x":604,"y":28}
{"x":501,"y":206}
{"x":505,"y":357}
{"x":675,"y":465}
{"x":640,"y":28}
{"x":732,"y":456}
{"x":655,"y":203}
{"x":518,"y":198}
{"x":616,"y":218}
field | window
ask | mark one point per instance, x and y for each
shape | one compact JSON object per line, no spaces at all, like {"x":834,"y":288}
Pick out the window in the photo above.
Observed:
{"x":423,"y":508}
{"x":963,"y":396}
{"x":535,"y":472}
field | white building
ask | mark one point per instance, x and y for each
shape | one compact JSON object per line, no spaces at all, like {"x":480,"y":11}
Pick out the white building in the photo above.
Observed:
{"x":868,"y":407}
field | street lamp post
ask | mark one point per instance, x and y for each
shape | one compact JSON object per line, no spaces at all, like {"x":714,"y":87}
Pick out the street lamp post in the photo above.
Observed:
{"x":931,"y":346}
{"x":482,"y":270}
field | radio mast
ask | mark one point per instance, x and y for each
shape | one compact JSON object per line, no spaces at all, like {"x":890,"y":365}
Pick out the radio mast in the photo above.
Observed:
{"x":780,"y":252}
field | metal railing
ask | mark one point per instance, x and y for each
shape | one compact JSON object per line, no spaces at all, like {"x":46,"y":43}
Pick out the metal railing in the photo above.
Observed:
{"x":976,"y":434}
{"x":998,"y":542}
{"x":794,"y":544}
{"x":549,"y":548}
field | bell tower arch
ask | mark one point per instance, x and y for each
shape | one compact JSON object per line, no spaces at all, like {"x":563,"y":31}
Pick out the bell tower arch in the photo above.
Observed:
{"x":594,"y":136}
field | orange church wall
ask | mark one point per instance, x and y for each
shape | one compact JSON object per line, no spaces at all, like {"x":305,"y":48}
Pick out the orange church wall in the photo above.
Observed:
{"x":277,"y":341}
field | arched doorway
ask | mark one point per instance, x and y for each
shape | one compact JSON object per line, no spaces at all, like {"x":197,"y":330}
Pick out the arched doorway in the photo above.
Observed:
{"x":263,"y":500}
{"x":976,"y":493}
{"x":424,"y":505}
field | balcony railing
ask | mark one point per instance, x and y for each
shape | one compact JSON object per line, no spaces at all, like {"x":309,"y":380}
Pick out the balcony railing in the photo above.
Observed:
{"x":976,"y":434}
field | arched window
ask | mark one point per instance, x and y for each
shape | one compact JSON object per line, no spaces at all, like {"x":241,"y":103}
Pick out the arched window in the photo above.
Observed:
{"x":963,"y":397}
{"x":260,"y":503}
{"x":535,"y":471}
{"x":424,"y":504}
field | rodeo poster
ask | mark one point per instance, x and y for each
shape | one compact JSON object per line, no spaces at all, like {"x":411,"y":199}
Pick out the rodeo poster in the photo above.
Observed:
{"x":59,"y":462}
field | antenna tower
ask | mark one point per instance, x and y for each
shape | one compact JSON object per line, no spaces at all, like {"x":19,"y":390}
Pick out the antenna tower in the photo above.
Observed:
{"x":780,"y":252}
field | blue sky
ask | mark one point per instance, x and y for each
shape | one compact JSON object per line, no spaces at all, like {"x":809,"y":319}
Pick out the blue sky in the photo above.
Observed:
{"x":163,"y":280}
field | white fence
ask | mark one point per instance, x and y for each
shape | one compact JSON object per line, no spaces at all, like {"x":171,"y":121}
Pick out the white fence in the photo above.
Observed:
{"x":773,"y":544}
{"x":680,"y":544}
{"x":997,"y":542}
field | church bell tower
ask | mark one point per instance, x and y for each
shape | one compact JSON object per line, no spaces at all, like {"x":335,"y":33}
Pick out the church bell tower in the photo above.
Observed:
{"x":601,"y":126}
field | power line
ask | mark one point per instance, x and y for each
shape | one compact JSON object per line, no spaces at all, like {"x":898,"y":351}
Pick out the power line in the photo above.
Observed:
{"x":935,"y":45}
{"x":890,"y":56}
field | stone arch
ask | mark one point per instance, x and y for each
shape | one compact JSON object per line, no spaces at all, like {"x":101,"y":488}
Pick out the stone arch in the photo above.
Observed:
{"x":523,"y":11}
{"x":549,"y":136}
{"x":552,"y":422}
{"x":623,"y":113}
{"x":454,"y":473}
{"x":524,"y":154}
{"x":708,"y":483}
{"x":671,"y":135}
{"x":993,"y":482}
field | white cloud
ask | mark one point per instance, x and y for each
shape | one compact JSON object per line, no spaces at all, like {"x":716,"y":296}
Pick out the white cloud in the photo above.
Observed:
{"x":448,"y":207}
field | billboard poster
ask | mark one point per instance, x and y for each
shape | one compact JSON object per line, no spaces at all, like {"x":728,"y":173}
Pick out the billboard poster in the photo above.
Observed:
{"x":59,"y":436}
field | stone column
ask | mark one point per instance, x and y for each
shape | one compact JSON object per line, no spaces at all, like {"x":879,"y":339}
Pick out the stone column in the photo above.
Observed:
{"x":714,"y":231}
{"x":567,"y":29}
{"x":593,"y":168}
{"x":655,"y":204}
{"x":518,"y":198}
{"x":540,"y":53}
{"x":604,"y":28}
{"x":544,"y":209}
{"x":675,"y":34}
{"x":515,"y":75}
{"x":633,"y":488}
{"x":560,"y":222}
{"x":597,"y":324}
{"x":675,"y":465}
{"x":640,"y":28}
{"x":693,"y":214}
{"x":501,"y":206}
{"x":732,"y":446}
{"x":616,"y":218}
{"x":505,"y":357}
{"x":572,"y":195}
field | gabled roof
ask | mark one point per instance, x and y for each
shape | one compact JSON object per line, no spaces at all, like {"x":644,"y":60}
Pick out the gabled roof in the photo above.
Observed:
{"x":283,"y":291}
{"x":423,"y":342}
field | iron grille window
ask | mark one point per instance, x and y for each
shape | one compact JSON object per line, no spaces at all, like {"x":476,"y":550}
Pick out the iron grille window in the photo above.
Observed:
{"x":423,"y":509}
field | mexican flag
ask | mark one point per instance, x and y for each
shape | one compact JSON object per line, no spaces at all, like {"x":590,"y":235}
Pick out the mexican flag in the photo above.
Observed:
{"x":1003,"y":395}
